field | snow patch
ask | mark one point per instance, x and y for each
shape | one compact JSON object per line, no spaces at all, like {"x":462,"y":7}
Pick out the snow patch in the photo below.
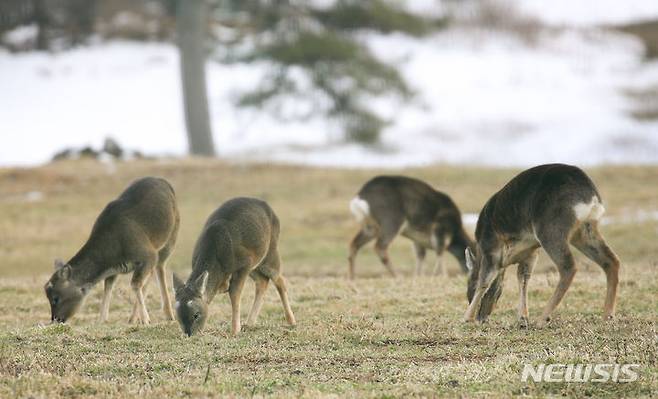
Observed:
{"x":589,"y":12}
{"x":484,"y":98}
{"x":470,"y":219}
{"x":20,"y":36}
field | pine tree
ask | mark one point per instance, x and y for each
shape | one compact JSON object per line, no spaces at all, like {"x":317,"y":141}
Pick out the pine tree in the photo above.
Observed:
{"x":323,"y":43}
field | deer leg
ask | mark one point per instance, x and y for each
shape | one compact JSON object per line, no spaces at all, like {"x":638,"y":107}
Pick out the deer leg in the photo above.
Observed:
{"x":561,"y":255}
{"x":164,"y":292}
{"x":143,"y":271}
{"x":381,"y":248}
{"x":439,"y":267}
{"x":135,"y":315}
{"x":439,"y":243}
{"x":419,"y":252}
{"x":362,"y":238}
{"x":107,"y":295}
{"x":590,"y":242}
{"x":523,"y":272}
{"x":485,"y":279}
{"x":281,"y":287}
{"x":271,"y":268}
{"x":141,"y":306}
{"x":388,"y":229}
{"x":261,"y":286}
{"x":163,"y":257}
{"x":161,"y":274}
{"x":235,"y":293}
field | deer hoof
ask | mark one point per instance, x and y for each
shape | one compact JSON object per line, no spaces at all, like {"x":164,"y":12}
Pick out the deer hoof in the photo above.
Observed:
{"x":523,"y":322}
{"x":543,"y":322}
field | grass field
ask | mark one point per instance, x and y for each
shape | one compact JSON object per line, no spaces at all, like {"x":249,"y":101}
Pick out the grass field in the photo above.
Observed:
{"x":375,"y":337}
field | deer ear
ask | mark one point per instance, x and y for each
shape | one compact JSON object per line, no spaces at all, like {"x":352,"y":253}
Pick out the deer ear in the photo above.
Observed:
{"x":470,"y":259}
{"x":58,"y":263}
{"x":200,"y":283}
{"x":64,"y":272}
{"x":178,"y":283}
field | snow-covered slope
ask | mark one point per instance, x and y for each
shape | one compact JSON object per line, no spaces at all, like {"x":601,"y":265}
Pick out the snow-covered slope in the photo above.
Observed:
{"x":485,"y":97}
{"x":589,"y":12}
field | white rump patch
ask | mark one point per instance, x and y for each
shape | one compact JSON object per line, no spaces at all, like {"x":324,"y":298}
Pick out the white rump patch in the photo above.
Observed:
{"x":592,"y":211}
{"x":177,"y":305}
{"x":359,"y":208}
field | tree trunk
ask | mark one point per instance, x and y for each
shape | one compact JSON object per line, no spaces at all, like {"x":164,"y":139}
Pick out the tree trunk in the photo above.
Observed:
{"x":41,"y":19}
{"x":191,"y":28}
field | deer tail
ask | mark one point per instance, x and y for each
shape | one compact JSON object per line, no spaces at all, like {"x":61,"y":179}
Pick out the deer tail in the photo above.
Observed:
{"x":360,"y":209}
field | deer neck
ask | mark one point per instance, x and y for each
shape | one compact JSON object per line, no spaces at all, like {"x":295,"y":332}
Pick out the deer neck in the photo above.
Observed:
{"x":90,"y":267}
{"x":217,"y":278}
{"x":87,"y":271}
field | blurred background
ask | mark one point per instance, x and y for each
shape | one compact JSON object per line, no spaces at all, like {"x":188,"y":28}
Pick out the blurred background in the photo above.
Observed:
{"x":346,"y":83}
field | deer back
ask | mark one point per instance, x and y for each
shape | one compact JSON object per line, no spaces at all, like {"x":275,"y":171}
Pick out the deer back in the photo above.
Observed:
{"x":238,"y":234}
{"x":145,"y":215}
{"x":410,"y":199}
{"x":545,"y":201}
{"x":545,"y":194}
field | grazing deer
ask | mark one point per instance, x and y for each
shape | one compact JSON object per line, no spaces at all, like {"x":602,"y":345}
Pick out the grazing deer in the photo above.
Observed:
{"x":238,"y":240}
{"x":390,"y":205}
{"x":548,"y":206}
{"x":134,"y":233}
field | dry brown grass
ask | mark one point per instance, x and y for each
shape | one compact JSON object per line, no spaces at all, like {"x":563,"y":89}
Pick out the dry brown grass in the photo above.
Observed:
{"x":374,"y":337}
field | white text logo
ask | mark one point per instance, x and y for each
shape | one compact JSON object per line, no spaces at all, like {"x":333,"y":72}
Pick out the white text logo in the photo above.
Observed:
{"x":580,"y":372}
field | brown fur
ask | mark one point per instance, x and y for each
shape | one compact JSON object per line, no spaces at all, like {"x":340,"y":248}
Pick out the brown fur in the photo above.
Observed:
{"x":413,"y":209}
{"x":537,"y":209}
{"x":239,"y":239}
{"x":134,"y":233}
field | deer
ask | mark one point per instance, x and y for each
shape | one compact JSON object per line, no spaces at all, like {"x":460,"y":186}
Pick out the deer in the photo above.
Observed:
{"x":390,"y":205}
{"x":134,"y":233}
{"x":551,"y":207}
{"x":239,"y":239}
